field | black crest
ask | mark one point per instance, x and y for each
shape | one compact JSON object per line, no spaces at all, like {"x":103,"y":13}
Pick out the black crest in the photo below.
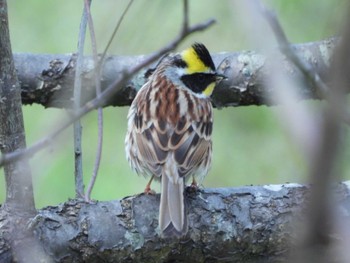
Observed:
{"x":204,"y":55}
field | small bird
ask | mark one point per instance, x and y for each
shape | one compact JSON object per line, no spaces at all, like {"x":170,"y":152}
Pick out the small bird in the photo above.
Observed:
{"x":169,"y":130}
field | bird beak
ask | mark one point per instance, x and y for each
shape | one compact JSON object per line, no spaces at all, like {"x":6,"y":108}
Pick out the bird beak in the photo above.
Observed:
{"x":220,"y":77}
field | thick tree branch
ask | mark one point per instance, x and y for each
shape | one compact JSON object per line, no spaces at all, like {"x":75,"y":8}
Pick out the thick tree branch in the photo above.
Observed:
{"x":48,"y":79}
{"x":113,"y":88}
{"x":247,"y":224}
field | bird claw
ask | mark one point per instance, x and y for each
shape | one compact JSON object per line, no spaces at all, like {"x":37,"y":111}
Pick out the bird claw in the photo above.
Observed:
{"x":149,"y":191}
{"x":194,"y":185}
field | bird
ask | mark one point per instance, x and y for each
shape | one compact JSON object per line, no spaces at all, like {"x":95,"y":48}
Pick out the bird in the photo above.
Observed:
{"x":170,"y":124}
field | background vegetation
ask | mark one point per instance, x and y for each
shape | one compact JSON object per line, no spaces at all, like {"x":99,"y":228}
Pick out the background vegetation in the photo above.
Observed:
{"x":251,"y":145}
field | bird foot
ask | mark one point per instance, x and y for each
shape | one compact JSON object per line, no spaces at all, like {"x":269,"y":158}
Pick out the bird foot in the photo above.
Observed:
{"x":194,"y":185}
{"x":149,"y":191}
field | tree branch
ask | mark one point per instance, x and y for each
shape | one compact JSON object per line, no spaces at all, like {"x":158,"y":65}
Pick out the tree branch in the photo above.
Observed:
{"x":113,"y":88}
{"x":48,"y":79}
{"x":19,"y":204}
{"x":19,"y":189}
{"x":316,"y":245}
{"x":77,"y":127}
{"x":247,"y":224}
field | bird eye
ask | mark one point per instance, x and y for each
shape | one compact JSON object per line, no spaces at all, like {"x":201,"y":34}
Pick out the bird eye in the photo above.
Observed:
{"x":201,"y":78}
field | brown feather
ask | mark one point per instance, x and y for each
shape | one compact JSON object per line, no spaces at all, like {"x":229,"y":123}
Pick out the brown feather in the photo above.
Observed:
{"x":169,"y":136}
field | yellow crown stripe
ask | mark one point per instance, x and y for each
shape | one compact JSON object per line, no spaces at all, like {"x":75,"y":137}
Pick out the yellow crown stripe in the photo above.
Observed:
{"x":194,"y":64}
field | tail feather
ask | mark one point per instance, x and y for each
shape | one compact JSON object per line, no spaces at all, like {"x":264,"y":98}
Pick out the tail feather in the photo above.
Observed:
{"x":164,"y":215}
{"x":172,"y":216}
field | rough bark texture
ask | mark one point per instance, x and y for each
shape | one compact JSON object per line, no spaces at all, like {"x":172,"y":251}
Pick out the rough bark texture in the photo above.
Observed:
{"x":246,"y":224}
{"x":19,"y":191}
{"x":48,"y":79}
{"x":19,"y":204}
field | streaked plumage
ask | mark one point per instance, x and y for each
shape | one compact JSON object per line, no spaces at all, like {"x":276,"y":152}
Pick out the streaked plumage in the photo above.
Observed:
{"x":169,"y":129}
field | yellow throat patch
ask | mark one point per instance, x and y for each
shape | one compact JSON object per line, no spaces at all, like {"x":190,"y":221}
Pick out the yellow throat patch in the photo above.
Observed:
{"x":209,"y":89}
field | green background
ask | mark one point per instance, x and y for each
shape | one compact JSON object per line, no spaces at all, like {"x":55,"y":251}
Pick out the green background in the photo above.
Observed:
{"x":251,"y":146}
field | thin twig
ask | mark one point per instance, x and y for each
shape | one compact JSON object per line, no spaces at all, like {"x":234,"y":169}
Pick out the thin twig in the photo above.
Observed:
{"x":286,"y":49}
{"x":315,"y":80}
{"x":115,"y":31}
{"x":317,"y":239}
{"x":78,"y":171}
{"x":107,"y":93}
{"x":98,"y":67}
{"x":186,"y":16}
{"x":99,"y":110}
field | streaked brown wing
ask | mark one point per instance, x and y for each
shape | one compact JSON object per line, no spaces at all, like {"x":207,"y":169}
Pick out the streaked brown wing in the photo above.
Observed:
{"x":150,"y":136}
{"x":188,"y":140}
{"x":191,"y":146}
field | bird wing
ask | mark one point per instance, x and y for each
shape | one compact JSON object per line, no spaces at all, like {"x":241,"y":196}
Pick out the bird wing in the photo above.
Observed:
{"x":191,"y":145}
{"x":150,"y":141}
{"x":187,"y":141}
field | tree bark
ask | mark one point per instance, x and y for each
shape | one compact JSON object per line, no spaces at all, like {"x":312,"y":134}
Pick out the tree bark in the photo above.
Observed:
{"x":48,"y":79}
{"x":246,"y":224}
{"x":19,"y":190}
{"x":19,"y":204}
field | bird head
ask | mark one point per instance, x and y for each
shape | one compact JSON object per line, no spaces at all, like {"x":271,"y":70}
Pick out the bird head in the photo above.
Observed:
{"x":198,"y":70}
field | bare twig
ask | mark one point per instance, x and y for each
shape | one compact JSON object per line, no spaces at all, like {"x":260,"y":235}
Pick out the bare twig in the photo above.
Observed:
{"x":186,"y":16}
{"x":115,"y":31}
{"x":107,"y":93}
{"x":97,"y":75}
{"x":99,"y":110}
{"x":317,"y":242}
{"x":78,"y":171}
{"x":309,"y":74}
{"x":286,"y":49}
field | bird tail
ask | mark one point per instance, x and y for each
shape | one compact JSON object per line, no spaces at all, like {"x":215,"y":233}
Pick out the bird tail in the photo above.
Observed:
{"x":172,"y":216}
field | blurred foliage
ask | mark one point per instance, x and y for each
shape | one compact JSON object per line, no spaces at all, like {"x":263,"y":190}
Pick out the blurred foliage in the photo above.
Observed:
{"x":250,"y":145}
